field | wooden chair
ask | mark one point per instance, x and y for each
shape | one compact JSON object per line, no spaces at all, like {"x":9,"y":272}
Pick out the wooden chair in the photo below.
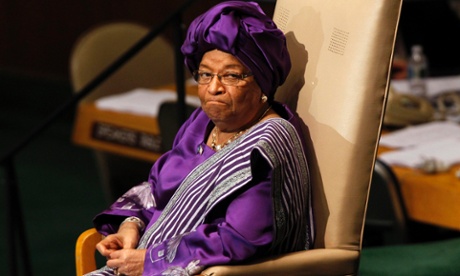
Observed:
{"x":341,"y":52}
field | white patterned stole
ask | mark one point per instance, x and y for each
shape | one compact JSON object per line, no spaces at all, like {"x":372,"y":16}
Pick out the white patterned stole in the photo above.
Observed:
{"x":282,"y":146}
{"x":230,"y":169}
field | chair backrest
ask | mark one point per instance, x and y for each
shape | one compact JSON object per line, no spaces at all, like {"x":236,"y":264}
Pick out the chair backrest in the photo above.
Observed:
{"x":341,"y":52}
{"x":100,"y":46}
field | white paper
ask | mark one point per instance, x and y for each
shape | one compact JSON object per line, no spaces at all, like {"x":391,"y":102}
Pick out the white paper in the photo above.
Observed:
{"x":434,"y":85}
{"x":420,"y":134}
{"x":141,"y":101}
{"x":446,"y":151}
{"x":438,"y":141}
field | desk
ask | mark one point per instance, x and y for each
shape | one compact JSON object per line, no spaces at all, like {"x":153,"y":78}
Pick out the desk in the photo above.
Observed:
{"x":430,"y":198}
{"x":120,"y":133}
{"x":131,"y":135}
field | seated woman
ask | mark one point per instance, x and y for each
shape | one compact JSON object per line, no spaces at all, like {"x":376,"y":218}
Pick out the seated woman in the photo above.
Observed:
{"x":235,"y":186}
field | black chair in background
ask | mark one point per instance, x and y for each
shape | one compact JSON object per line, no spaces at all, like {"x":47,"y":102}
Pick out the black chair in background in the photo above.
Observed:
{"x":386,"y":218}
{"x":169,"y":122}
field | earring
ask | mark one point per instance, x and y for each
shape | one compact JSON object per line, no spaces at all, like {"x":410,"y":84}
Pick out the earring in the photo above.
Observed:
{"x":264,"y":98}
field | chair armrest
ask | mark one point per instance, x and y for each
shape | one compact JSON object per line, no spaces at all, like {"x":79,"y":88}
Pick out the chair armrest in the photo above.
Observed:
{"x":84,"y":251}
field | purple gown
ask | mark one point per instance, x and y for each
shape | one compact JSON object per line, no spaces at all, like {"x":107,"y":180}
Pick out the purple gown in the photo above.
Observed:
{"x":204,"y":208}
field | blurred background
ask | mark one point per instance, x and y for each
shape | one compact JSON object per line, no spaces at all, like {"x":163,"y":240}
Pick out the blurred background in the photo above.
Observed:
{"x":59,"y":183}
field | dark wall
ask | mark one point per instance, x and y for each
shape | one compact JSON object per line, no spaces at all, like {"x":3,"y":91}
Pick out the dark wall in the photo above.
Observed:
{"x":36,"y":37}
{"x":436,"y":26}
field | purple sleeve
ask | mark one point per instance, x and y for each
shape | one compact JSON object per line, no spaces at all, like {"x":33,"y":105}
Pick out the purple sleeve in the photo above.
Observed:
{"x":108,"y":221}
{"x":240,"y":233}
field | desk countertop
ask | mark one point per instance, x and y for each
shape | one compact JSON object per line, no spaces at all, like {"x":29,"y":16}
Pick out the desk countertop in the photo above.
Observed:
{"x":430,"y":198}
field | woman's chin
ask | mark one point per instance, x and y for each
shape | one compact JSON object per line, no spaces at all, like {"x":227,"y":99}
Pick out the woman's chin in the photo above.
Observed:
{"x":215,"y":112}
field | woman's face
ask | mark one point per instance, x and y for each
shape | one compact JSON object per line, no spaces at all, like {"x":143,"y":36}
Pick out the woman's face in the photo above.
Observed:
{"x":229,"y":107}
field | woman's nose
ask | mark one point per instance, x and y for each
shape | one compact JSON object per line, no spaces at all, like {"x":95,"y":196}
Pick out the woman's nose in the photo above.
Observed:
{"x":215,"y":86}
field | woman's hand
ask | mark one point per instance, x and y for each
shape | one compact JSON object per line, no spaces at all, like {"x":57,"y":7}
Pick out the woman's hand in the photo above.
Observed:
{"x":127,"y":237}
{"x":120,"y":250}
{"x":128,"y":261}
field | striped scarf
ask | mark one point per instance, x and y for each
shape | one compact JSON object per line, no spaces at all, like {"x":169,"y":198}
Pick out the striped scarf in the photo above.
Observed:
{"x":230,"y":169}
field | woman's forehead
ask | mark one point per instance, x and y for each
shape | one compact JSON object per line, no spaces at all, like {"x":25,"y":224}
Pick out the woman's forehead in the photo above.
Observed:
{"x":218,"y":59}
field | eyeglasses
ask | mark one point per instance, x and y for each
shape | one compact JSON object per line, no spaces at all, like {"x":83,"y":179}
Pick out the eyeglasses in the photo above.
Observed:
{"x":230,"y":79}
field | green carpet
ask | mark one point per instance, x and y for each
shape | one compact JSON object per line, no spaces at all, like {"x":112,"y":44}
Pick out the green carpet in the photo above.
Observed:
{"x":430,"y":258}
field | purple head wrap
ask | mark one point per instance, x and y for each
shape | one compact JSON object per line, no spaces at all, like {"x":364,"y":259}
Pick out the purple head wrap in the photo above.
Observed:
{"x":243,"y":30}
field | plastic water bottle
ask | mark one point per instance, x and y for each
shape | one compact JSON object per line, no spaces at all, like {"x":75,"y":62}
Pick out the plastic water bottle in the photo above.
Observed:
{"x":418,"y":71}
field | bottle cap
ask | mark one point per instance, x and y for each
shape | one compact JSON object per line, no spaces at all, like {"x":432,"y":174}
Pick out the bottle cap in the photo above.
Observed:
{"x":417,"y":48}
